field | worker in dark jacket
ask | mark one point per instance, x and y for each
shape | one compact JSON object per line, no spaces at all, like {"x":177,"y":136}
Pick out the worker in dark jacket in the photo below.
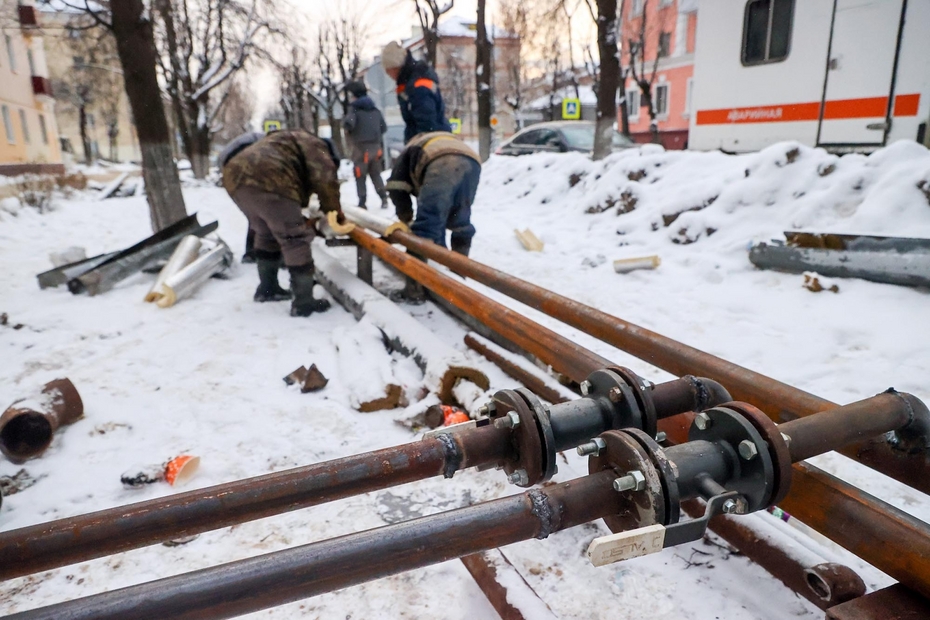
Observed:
{"x":236,"y":146}
{"x":271,"y":181}
{"x":418,"y":92}
{"x":443,"y":173}
{"x":365,"y":125}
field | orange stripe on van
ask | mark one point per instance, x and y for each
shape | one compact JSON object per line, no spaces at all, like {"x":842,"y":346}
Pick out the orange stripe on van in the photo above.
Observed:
{"x":906,"y":105}
{"x":867,"y":107}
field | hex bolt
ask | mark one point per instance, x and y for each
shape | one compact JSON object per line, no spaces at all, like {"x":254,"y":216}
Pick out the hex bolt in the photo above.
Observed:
{"x":648,"y":385}
{"x":633,"y":481}
{"x":661,"y":436}
{"x":592,"y":448}
{"x":585,"y":387}
{"x":511,"y":420}
{"x":519,"y":477}
{"x":483,"y":410}
{"x":703,"y":421}
{"x":615,"y":395}
{"x":730,"y":507}
{"x":748,"y":450}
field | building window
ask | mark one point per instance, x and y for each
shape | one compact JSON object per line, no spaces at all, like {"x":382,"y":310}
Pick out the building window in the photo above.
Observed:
{"x":689,"y":89}
{"x":10,"y":52}
{"x":661,"y":100}
{"x":25,"y":125}
{"x":42,"y":129}
{"x":633,"y":104}
{"x":8,"y":125}
{"x":665,"y":44}
{"x":767,"y":31}
{"x":31,"y":61}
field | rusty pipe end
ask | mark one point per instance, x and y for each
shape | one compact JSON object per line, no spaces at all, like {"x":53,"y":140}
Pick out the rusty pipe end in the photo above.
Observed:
{"x":26,"y":431}
{"x":834,"y":583}
{"x":65,"y":400}
{"x":914,"y":437}
{"x":709,"y":393}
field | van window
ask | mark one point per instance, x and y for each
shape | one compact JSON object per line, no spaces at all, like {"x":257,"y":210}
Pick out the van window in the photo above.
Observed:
{"x":767,"y":31}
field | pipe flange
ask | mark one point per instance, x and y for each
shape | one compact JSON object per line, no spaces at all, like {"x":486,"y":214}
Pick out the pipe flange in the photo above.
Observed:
{"x":643,"y":395}
{"x":778,"y":447}
{"x":753,"y":477}
{"x":544,"y":428}
{"x":623,"y":455}
{"x":621,"y":411}
{"x":525,"y":438}
{"x":666,"y":468}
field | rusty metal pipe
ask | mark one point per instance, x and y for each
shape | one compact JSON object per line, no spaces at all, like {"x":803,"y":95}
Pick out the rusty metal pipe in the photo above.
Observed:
{"x":780,"y":401}
{"x":27,"y":426}
{"x":563,"y":355}
{"x":84,"y":537}
{"x":904,"y":415}
{"x":293,"y":574}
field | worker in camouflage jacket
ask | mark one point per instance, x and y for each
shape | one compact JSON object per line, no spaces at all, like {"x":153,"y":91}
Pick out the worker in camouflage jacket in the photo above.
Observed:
{"x":418,"y":92}
{"x":271,"y":181}
{"x":364,"y":126}
{"x":443,"y":173}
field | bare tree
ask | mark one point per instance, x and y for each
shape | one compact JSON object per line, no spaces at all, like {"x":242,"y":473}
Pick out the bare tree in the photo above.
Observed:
{"x":297,"y":106}
{"x":645,"y":71}
{"x":516,"y":21}
{"x":236,"y":117}
{"x":483,"y":73}
{"x":133,"y":30}
{"x":429,"y":12}
{"x":204,"y":44}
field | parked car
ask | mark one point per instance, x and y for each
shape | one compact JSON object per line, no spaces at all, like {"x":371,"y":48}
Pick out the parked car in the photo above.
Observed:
{"x":558,"y":137}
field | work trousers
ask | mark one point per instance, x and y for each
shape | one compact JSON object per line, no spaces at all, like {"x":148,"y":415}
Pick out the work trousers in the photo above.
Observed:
{"x":446,"y":196}
{"x":368,"y":164}
{"x":278,"y":224}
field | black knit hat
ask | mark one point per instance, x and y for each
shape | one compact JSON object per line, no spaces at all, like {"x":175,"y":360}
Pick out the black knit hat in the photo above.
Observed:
{"x":357,"y":88}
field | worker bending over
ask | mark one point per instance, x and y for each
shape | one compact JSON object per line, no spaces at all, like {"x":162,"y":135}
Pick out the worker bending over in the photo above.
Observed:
{"x":443,"y":173}
{"x":271,"y":181}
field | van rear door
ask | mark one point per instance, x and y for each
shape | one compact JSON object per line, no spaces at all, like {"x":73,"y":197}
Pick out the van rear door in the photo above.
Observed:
{"x":859,"y":74}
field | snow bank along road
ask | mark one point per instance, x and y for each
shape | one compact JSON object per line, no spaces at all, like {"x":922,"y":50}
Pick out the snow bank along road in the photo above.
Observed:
{"x":205,"y":377}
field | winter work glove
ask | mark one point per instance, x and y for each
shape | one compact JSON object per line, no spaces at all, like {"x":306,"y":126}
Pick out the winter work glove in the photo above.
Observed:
{"x":403,"y":206}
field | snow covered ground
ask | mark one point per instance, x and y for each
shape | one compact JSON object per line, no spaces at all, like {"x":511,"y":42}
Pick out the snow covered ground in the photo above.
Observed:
{"x":204,"y":377}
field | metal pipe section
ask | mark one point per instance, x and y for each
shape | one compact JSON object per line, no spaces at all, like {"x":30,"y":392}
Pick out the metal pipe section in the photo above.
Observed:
{"x":84,"y":537}
{"x":566,"y":357}
{"x":780,"y":401}
{"x":27,"y":426}
{"x":903,"y":414}
{"x":186,"y":280}
{"x":293,"y":574}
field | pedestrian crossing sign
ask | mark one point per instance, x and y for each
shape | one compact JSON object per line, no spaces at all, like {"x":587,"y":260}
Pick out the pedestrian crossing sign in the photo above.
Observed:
{"x":271,"y":125}
{"x":571,"y":109}
{"x":456,"y":125}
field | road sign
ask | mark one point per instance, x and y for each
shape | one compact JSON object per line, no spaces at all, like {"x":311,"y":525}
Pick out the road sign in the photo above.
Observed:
{"x":456,"y":125}
{"x":571,"y":109}
{"x":271,"y":125}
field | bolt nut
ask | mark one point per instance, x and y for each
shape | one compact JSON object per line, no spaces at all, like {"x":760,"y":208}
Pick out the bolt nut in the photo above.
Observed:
{"x":592,"y":448}
{"x":585,"y":387}
{"x":703,"y":421}
{"x":748,"y":450}
{"x":633,"y":481}
{"x":615,"y":395}
{"x":730,"y":507}
{"x":519,"y":478}
{"x":648,"y":385}
{"x":661,"y":436}
{"x":511,"y":420}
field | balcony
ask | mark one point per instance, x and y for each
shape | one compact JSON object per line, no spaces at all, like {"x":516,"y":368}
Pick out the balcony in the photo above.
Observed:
{"x":27,"y":16}
{"x":41,"y":86}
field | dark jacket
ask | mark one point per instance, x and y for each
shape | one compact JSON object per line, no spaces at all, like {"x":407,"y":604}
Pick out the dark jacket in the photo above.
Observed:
{"x":410,"y":168}
{"x":420,"y":99}
{"x":364,"y":122}
{"x":293,"y":164}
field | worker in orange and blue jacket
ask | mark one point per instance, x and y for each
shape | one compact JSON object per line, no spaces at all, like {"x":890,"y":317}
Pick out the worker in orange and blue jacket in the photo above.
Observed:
{"x":418,"y":92}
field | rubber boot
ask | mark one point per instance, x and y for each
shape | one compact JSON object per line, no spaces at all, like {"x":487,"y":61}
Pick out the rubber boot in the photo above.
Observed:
{"x":462,"y":247}
{"x":302,"y":282}
{"x":384,"y":202}
{"x":268,"y":287}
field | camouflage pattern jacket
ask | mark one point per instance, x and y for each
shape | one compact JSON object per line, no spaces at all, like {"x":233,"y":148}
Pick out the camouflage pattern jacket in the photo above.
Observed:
{"x":293,"y":164}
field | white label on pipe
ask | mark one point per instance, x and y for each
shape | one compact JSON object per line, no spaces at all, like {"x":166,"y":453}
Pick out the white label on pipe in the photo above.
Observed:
{"x":626,"y":545}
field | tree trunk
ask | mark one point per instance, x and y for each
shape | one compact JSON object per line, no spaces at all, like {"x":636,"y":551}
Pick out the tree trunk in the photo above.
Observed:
{"x":85,"y":139}
{"x":135,"y":44}
{"x":431,"y":38}
{"x":200,"y":152}
{"x":609,"y":79}
{"x":483,"y":84}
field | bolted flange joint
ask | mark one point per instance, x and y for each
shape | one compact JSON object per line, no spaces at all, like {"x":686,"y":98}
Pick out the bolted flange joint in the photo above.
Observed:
{"x":511,"y":420}
{"x":632,"y":481}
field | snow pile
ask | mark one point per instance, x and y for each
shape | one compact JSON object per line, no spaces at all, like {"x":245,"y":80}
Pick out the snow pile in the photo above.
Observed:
{"x":688,"y":196}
